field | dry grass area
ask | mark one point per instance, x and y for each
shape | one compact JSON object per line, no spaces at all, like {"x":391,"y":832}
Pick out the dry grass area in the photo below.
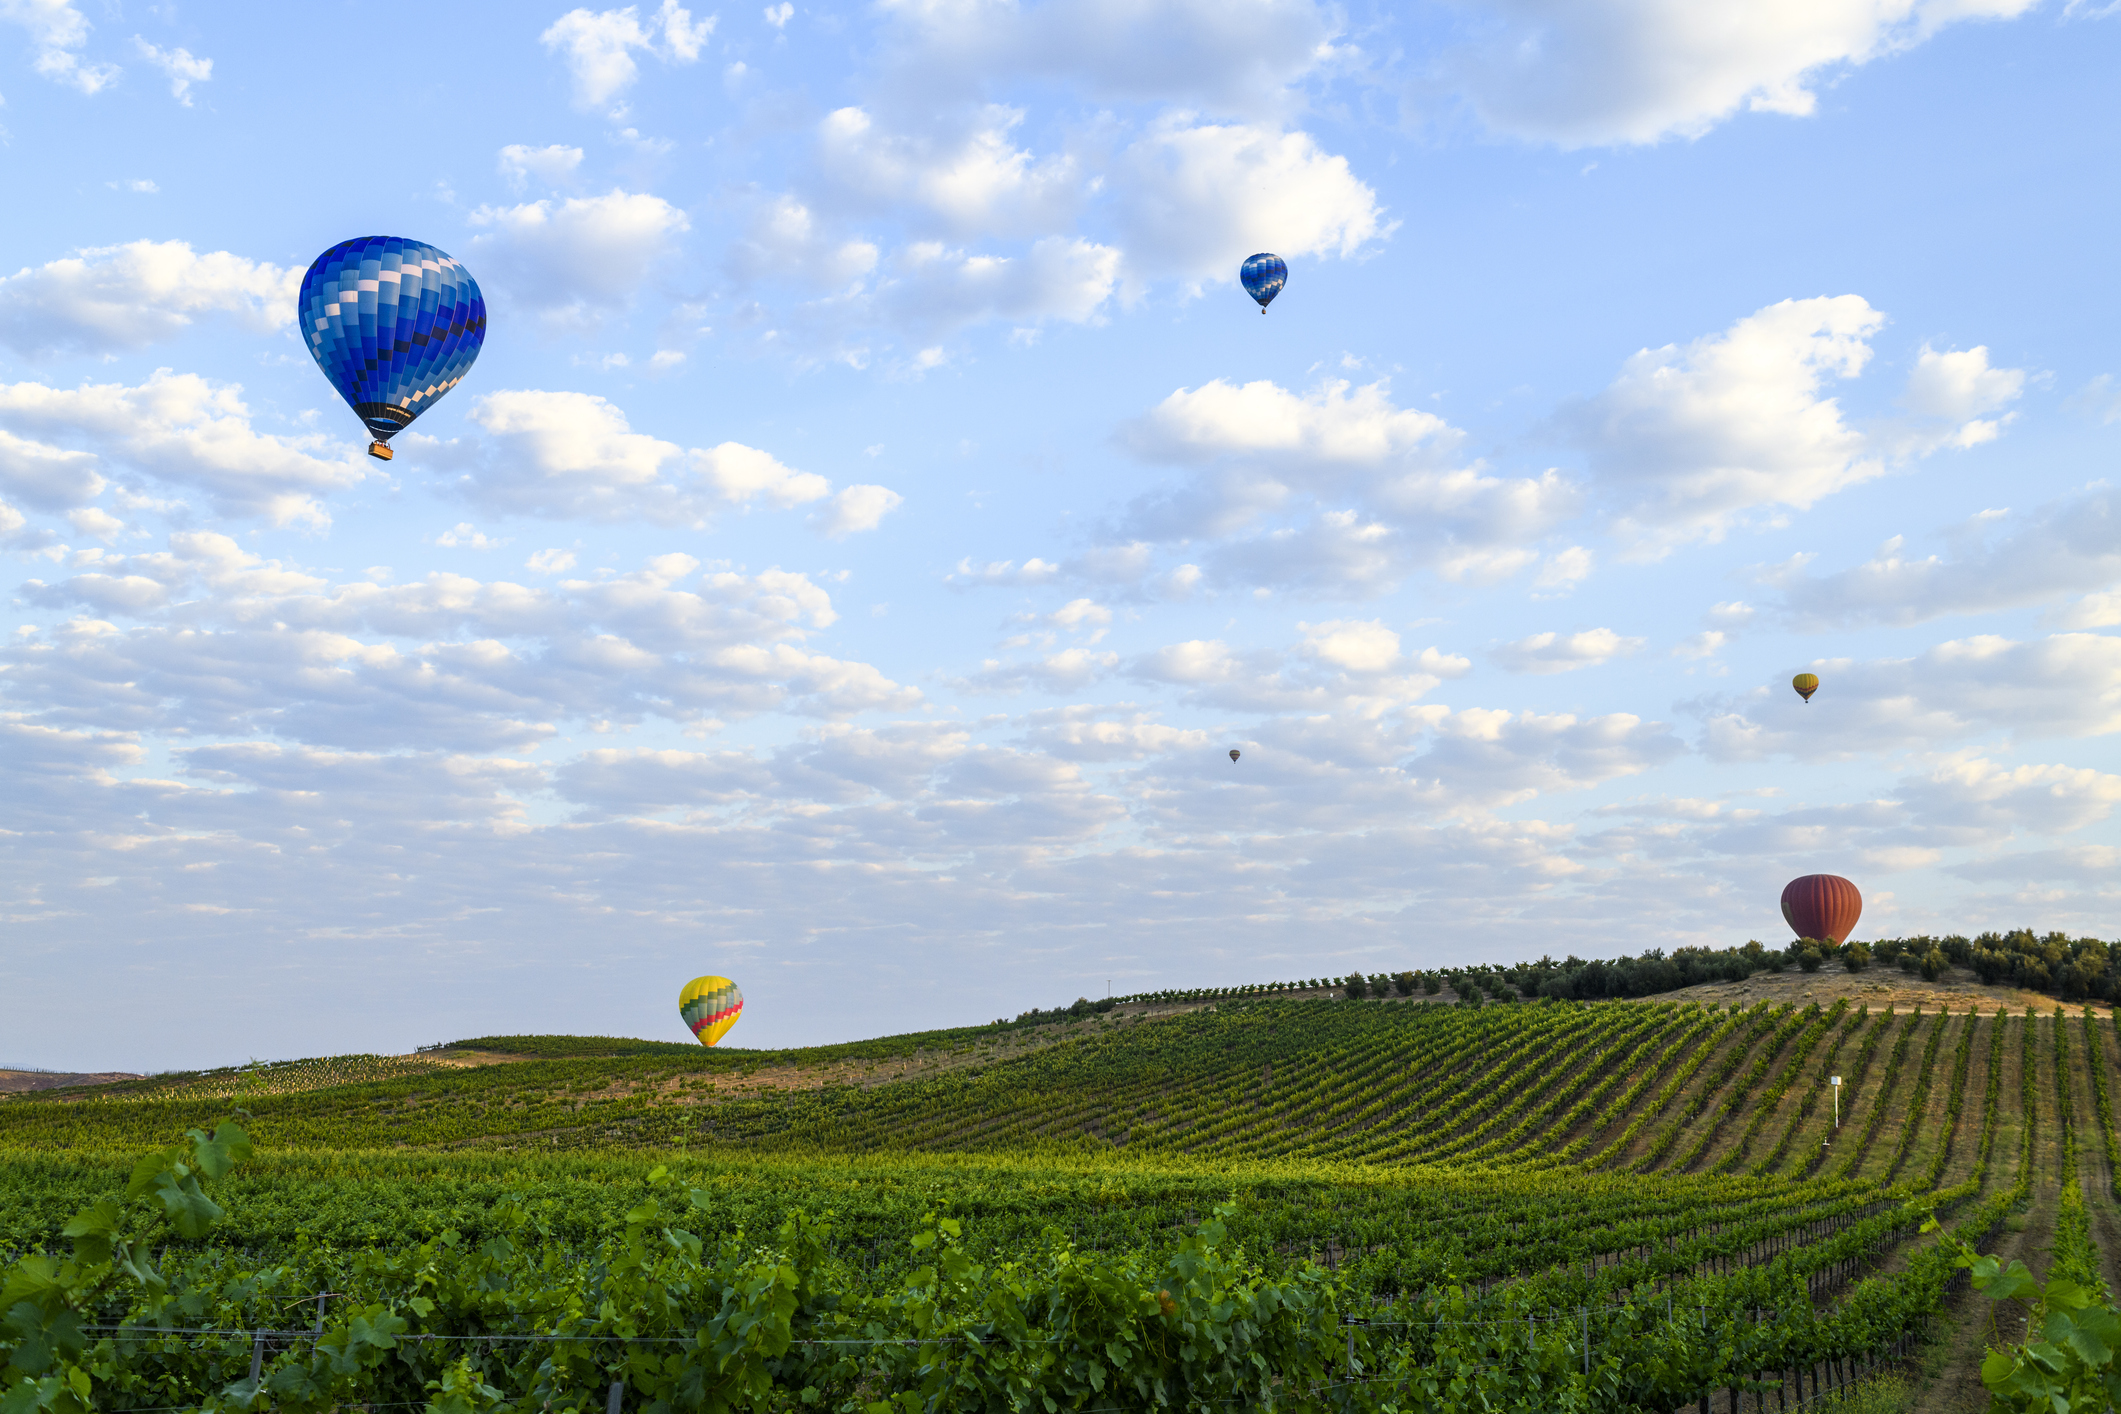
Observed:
{"x":1957,"y":990}
{"x":16,"y":1081}
{"x":772,"y":1077}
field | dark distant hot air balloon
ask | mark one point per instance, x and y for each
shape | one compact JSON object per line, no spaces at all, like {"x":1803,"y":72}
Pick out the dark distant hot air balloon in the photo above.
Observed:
{"x":1806,"y":684}
{"x":1824,"y":906}
{"x":1263,"y":276}
{"x":1233,"y":753}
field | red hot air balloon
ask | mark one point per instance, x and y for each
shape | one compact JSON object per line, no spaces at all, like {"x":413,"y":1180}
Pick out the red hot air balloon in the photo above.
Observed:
{"x":1824,"y":906}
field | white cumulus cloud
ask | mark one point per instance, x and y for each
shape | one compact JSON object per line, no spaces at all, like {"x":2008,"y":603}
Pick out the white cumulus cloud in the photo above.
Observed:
{"x":1691,"y":440}
{"x":1233,"y":55}
{"x":2072,"y":547}
{"x":599,"y":46}
{"x":56,"y":29}
{"x":1194,"y":199}
{"x":179,"y":64}
{"x":550,"y":166}
{"x":568,"y":455}
{"x":1336,"y":491}
{"x":181,"y":429}
{"x":930,"y":286}
{"x":566,"y":258}
{"x":1584,"y":72}
{"x":1562,"y":653}
{"x":1355,"y":645}
{"x":2064,"y":685}
{"x":1950,"y":396}
{"x":115,"y":299}
{"x":858,"y":508}
{"x":1335,"y":422}
{"x":973,"y":180}
{"x":785,"y":239}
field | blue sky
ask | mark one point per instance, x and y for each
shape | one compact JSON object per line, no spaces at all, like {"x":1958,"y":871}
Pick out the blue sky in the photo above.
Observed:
{"x":877,"y":511}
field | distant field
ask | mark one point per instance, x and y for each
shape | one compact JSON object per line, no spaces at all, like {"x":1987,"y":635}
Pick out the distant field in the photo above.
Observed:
{"x":1549,"y":1155}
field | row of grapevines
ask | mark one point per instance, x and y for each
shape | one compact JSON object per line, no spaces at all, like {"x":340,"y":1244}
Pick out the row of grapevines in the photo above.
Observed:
{"x":2095,"y":1055}
{"x":1573,"y":1074}
{"x":1810,"y":1101}
{"x":1703,"y":1053}
{"x":1795,"y":1020}
{"x":1771,"y":1099}
{"x":1674,"y":1042}
{"x":1912,"y":1123}
{"x":2075,"y":1258}
{"x":1955,"y":1101}
{"x":1761,"y":1018}
{"x":1886,"y":1087}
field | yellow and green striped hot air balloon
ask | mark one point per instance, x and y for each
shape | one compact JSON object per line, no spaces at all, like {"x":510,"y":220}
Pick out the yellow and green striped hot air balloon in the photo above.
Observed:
{"x":710,"y":1006}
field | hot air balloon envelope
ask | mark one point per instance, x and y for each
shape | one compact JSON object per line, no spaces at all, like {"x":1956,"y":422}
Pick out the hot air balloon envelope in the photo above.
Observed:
{"x":1233,"y":753}
{"x":1806,"y":684}
{"x":394,"y":324}
{"x":710,"y":1006}
{"x":1263,"y":277}
{"x":1822,"y":906}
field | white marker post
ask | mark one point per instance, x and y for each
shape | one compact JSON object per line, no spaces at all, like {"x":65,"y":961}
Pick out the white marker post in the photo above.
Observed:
{"x":1836,"y":1083}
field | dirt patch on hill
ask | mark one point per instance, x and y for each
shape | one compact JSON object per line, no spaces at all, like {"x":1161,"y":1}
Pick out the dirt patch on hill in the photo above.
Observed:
{"x":1957,"y":990}
{"x":15,"y":1081}
{"x":459,"y":1059}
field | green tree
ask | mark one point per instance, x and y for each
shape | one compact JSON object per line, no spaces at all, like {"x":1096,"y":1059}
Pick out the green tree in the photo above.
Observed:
{"x":1808,"y":956}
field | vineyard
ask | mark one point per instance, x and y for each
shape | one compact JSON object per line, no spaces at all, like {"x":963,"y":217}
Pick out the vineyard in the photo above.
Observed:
{"x":1626,"y":1205}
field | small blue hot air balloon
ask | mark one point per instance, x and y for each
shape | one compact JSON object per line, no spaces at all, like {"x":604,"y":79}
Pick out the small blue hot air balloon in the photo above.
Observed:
{"x":1264,"y":274}
{"x":394,"y":324}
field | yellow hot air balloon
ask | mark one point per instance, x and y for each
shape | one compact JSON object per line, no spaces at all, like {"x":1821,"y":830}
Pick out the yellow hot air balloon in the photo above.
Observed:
{"x":710,"y":1006}
{"x":1806,"y":684}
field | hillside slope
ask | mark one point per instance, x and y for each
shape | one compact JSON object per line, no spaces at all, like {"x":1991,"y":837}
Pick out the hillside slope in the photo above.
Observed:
{"x":1665,"y":1176}
{"x":1639,"y":1087}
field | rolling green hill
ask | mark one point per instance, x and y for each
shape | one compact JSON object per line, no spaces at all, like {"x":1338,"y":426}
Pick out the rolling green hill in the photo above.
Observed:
{"x":1617,"y":1159}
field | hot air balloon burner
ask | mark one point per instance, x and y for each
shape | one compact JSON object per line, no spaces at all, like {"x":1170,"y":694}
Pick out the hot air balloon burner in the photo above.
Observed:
{"x":386,"y":419}
{"x":381,"y":451}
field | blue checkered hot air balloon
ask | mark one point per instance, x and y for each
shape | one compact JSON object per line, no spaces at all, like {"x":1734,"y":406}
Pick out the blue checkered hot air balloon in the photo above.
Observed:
{"x":1264,"y":275}
{"x":394,"y":324}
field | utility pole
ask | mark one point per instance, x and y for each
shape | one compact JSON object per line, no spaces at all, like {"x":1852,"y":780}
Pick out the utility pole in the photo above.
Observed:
{"x":1835,"y":1082}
